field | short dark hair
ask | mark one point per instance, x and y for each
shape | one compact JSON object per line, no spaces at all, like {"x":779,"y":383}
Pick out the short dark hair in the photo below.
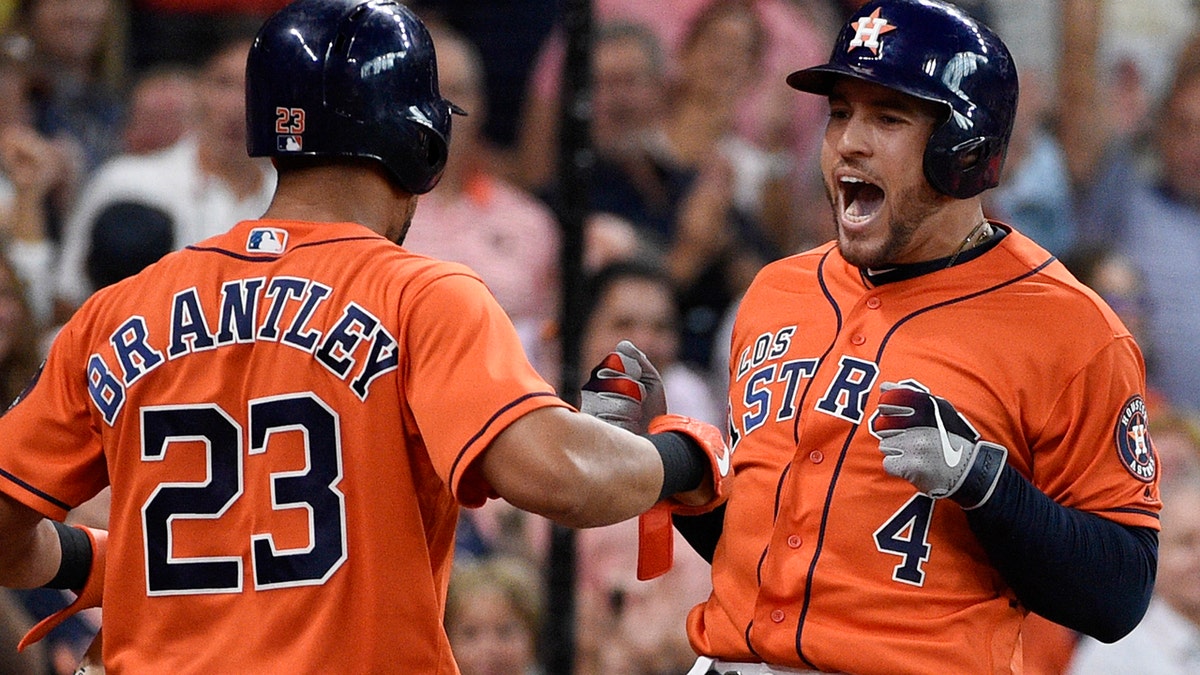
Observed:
{"x":599,"y":283}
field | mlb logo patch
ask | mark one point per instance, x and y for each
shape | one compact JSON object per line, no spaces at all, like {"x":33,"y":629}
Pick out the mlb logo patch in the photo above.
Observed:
{"x":267,"y":240}
{"x":289,"y":143}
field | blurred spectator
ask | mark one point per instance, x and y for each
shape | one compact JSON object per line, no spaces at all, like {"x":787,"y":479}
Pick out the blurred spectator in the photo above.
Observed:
{"x":739,"y":213}
{"x":609,"y":238}
{"x":20,"y":354}
{"x":508,"y":35}
{"x":1163,"y":240}
{"x":163,"y":106}
{"x":1034,"y":195}
{"x":493,"y":616}
{"x":630,"y":178}
{"x":176,"y":31}
{"x":794,"y":38}
{"x":201,"y":184}
{"x":719,"y":57}
{"x":1167,"y":642}
{"x":31,"y":165}
{"x":1150,"y":215}
{"x":477,"y":218}
{"x":77,"y":59}
{"x":628,"y":626}
{"x":682,"y":203}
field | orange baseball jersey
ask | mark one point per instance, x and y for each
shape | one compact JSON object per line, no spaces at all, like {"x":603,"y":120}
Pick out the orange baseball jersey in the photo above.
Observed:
{"x":828,"y":562}
{"x":286,"y":413}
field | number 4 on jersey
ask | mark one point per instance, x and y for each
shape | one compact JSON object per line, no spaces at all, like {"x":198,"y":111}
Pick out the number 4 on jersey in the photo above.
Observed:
{"x":906,"y":534}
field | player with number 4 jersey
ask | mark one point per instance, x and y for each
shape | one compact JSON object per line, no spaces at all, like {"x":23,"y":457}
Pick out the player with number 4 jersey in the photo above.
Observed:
{"x":935,"y":428}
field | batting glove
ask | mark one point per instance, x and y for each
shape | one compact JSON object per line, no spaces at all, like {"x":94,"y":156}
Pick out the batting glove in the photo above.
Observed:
{"x":89,"y":596}
{"x":625,"y":390}
{"x":927,"y":442}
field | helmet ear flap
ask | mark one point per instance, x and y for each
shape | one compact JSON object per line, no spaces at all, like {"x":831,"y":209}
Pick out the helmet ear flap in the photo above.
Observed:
{"x":431,"y":151}
{"x":434,"y":150}
{"x":965,"y":168}
{"x":416,"y":155}
{"x":970,"y":152}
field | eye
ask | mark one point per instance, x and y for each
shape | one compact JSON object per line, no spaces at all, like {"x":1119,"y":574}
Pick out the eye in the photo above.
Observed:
{"x":839,"y":113}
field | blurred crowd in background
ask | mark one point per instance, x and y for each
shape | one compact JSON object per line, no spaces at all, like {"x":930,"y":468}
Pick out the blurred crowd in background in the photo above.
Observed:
{"x":122,"y":138}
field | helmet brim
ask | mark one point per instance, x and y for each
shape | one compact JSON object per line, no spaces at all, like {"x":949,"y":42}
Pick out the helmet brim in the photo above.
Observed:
{"x":820,"y":79}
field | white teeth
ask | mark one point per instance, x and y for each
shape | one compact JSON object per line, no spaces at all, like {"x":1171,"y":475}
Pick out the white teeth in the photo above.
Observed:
{"x":849,"y":179}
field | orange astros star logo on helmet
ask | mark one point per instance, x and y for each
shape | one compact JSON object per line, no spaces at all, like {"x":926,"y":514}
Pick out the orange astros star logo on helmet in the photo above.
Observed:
{"x":867,"y":31}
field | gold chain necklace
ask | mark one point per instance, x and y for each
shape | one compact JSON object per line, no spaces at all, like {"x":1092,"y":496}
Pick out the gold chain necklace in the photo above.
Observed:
{"x":983,"y":229}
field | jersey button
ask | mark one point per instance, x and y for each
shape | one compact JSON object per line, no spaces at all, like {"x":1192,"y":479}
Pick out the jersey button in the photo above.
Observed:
{"x":858,"y":339}
{"x":794,"y":541}
{"x":874,"y":302}
{"x":816,"y":456}
{"x":777,"y":616}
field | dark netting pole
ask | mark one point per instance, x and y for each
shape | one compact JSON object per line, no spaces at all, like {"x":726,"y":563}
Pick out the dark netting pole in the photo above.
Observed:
{"x":574,"y":177}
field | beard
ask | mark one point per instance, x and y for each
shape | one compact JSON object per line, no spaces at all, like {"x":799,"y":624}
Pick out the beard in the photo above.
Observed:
{"x":909,"y":210}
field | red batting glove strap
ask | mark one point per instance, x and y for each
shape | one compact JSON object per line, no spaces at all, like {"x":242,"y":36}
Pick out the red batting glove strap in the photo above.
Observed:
{"x":712,"y":441}
{"x":656,"y":542}
{"x":656,"y":535}
{"x":90,"y":596}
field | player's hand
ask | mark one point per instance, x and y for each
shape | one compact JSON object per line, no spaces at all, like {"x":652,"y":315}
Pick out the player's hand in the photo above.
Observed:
{"x":625,"y":390}
{"x":927,"y":442}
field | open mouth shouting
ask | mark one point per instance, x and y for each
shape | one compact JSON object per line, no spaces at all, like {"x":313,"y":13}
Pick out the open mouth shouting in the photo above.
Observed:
{"x":858,"y":200}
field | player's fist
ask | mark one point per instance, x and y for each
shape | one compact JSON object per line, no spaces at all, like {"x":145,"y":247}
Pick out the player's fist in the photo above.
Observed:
{"x":925,"y":441}
{"x":625,"y":389}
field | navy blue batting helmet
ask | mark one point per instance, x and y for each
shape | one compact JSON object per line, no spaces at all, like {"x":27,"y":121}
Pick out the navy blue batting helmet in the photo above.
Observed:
{"x":351,"y":78}
{"x":934,"y":51}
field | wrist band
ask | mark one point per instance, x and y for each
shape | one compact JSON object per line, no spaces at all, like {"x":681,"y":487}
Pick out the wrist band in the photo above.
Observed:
{"x":76,"y":562}
{"x":684,"y":462}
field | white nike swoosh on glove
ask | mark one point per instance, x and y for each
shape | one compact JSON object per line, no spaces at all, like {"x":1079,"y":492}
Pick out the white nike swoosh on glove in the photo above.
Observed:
{"x":953,"y":455}
{"x":723,"y":462}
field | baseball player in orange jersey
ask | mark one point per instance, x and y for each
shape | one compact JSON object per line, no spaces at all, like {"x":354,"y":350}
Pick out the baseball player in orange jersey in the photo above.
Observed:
{"x":291,"y":413}
{"x":935,"y":428}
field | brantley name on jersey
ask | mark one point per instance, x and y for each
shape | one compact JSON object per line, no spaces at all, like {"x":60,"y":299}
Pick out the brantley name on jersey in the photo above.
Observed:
{"x":356,"y":348}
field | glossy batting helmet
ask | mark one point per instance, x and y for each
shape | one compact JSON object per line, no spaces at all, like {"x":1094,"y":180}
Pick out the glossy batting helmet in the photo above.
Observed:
{"x":350,"y":78}
{"x":934,"y":51}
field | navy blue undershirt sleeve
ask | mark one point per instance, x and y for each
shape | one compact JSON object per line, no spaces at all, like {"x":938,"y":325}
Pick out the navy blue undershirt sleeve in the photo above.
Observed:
{"x":1075,"y":568}
{"x":702,"y":531}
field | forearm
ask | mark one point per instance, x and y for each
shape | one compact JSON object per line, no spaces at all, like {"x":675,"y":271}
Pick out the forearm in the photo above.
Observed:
{"x":29,"y":546}
{"x":1075,"y":568}
{"x":573,"y":469}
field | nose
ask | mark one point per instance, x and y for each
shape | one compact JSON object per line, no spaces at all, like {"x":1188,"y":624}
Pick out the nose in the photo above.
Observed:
{"x":850,"y":137}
